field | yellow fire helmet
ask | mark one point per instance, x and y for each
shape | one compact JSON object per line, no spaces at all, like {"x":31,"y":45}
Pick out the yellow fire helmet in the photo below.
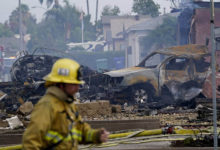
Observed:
{"x":65,"y":71}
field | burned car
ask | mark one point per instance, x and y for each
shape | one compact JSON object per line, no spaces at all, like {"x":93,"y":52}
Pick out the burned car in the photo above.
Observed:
{"x":170,"y":74}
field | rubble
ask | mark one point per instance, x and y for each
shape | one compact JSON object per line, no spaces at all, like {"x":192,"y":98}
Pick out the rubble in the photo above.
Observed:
{"x":116,"y":108}
{"x":14,"y":122}
{"x":199,"y":141}
{"x":27,"y":84}
{"x":94,"y":109}
{"x":26,"y":108}
{"x":207,"y":87}
{"x":3,"y":124}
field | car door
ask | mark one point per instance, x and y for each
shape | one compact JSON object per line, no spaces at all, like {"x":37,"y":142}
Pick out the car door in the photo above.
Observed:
{"x":178,"y":69}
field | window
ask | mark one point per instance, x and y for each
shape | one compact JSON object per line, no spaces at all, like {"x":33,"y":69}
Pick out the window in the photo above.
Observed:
{"x":177,"y":64}
{"x":201,"y":65}
{"x":155,"y":60}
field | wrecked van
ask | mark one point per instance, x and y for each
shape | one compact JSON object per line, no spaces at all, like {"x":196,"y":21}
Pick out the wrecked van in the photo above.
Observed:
{"x":169,"y":74}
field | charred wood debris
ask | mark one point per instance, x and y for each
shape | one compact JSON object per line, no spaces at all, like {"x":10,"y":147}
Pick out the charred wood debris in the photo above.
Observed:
{"x":27,"y":86}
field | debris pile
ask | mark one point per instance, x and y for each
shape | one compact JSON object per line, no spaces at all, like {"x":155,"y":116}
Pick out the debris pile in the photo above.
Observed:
{"x":25,"y":109}
{"x":27,"y":84}
{"x":95,"y":109}
{"x":205,"y":110}
{"x":199,"y":141}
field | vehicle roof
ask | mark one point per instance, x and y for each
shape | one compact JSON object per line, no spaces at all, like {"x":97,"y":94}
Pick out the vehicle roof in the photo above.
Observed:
{"x":193,"y":50}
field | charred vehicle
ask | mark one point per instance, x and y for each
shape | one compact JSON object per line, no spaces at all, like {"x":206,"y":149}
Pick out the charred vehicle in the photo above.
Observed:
{"x":175,"y":73}
{"x":27,"y":84}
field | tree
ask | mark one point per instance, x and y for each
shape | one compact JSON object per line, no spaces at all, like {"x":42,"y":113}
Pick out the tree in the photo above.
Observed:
{"x":175,"y":3}
{"x":50,"y":2}
{"x":5,"y":31}
{"x":146,"y":7}
{"x":163,"y":36}
{"x":28,"y":21}
{"x":109,"y":11}
{"x":61,"y":25}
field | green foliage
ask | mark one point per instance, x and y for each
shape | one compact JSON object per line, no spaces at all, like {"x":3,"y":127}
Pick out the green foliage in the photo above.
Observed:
{"x":163,"y":36}
{"x":47,"y":34}
{"x":146,"y":7}
{"x":28,"y":21}
{"x":5,"y":31}
{"x":61,"y":25}
{"x":49,"y":2}
{"x":109,"y":11}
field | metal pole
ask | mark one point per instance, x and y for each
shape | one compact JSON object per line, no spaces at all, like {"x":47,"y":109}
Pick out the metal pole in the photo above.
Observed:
{"x":87,"y":2}
{"x":213,"y":74}
{"x":20,"y":26}
{"x":82,"y":23}
{"x":96,"y":16}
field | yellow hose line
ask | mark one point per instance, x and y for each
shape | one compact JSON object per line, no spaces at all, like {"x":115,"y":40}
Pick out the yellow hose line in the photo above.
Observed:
{"x":154,"y":140}
{"x":144,"y":133}
{"x":15,"y":147}
{"x":188,"y":131}
{"x":137,"y":142}
{"x":124,"y":135}
{"x":156,"y":132}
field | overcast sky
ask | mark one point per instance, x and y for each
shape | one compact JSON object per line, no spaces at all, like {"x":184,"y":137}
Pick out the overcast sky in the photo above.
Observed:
{"x":7,"y":6}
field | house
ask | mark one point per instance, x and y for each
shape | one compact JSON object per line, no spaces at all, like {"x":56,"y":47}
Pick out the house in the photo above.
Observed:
{"x":113,"y":25}
{"x":199,"y":29}
{"x":135,"y":33}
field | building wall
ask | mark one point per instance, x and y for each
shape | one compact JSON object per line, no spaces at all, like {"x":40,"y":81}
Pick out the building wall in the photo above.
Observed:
{"x":202,"y":27}
{"x":117,"y":25}
{"x":119,"y":44}
{"x":133,"y":39}
{"x":202,"y":24}
{"x":106,"y":28}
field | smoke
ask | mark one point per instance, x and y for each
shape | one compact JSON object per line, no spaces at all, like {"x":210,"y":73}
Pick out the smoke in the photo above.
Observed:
{"x":187,"y":8}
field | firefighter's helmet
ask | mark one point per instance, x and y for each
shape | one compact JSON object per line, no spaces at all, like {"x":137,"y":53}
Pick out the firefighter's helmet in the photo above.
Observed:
{"x":65,"y":71}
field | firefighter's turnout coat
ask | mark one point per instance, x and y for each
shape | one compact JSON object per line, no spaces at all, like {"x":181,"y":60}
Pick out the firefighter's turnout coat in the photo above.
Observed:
{"x":56,"y":124}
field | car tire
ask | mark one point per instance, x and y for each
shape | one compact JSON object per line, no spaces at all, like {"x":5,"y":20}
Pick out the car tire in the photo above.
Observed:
{"x":142,"y":93}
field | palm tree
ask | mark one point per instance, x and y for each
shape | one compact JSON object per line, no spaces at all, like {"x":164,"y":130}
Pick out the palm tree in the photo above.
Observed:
{"x":50,"y":2}
{"x":66,"y":16}
{"x":27,"y":19}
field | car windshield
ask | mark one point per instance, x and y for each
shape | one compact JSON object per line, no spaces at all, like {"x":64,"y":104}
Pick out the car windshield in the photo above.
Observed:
{"x":154,"y":60}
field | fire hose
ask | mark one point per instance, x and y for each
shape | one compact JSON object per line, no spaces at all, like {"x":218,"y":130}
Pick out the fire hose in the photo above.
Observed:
{"x":123,"y":138}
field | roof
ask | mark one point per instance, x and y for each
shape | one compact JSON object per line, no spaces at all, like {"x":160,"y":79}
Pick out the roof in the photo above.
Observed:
{"x":189,"y":50}
{"x":152,"y":23}
{"x":206,"y":4}
{"x":107,"y":19}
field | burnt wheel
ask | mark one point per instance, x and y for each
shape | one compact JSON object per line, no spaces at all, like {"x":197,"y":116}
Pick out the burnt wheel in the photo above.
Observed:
{"x":142,"y":93}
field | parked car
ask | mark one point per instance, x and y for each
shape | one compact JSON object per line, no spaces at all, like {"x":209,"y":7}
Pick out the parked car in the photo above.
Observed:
{"x":169,"y":74}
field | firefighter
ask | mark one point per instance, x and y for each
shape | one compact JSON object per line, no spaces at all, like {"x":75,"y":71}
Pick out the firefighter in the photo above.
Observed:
{"x":55,"y":121}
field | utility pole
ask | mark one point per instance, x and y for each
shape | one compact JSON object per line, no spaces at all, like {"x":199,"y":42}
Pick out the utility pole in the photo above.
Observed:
{"x":212,"y":17}
{"x":96,"y":16}
{"x":20,"y":26}
{"x":87,"y":2}
{"x":82,"y":24}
